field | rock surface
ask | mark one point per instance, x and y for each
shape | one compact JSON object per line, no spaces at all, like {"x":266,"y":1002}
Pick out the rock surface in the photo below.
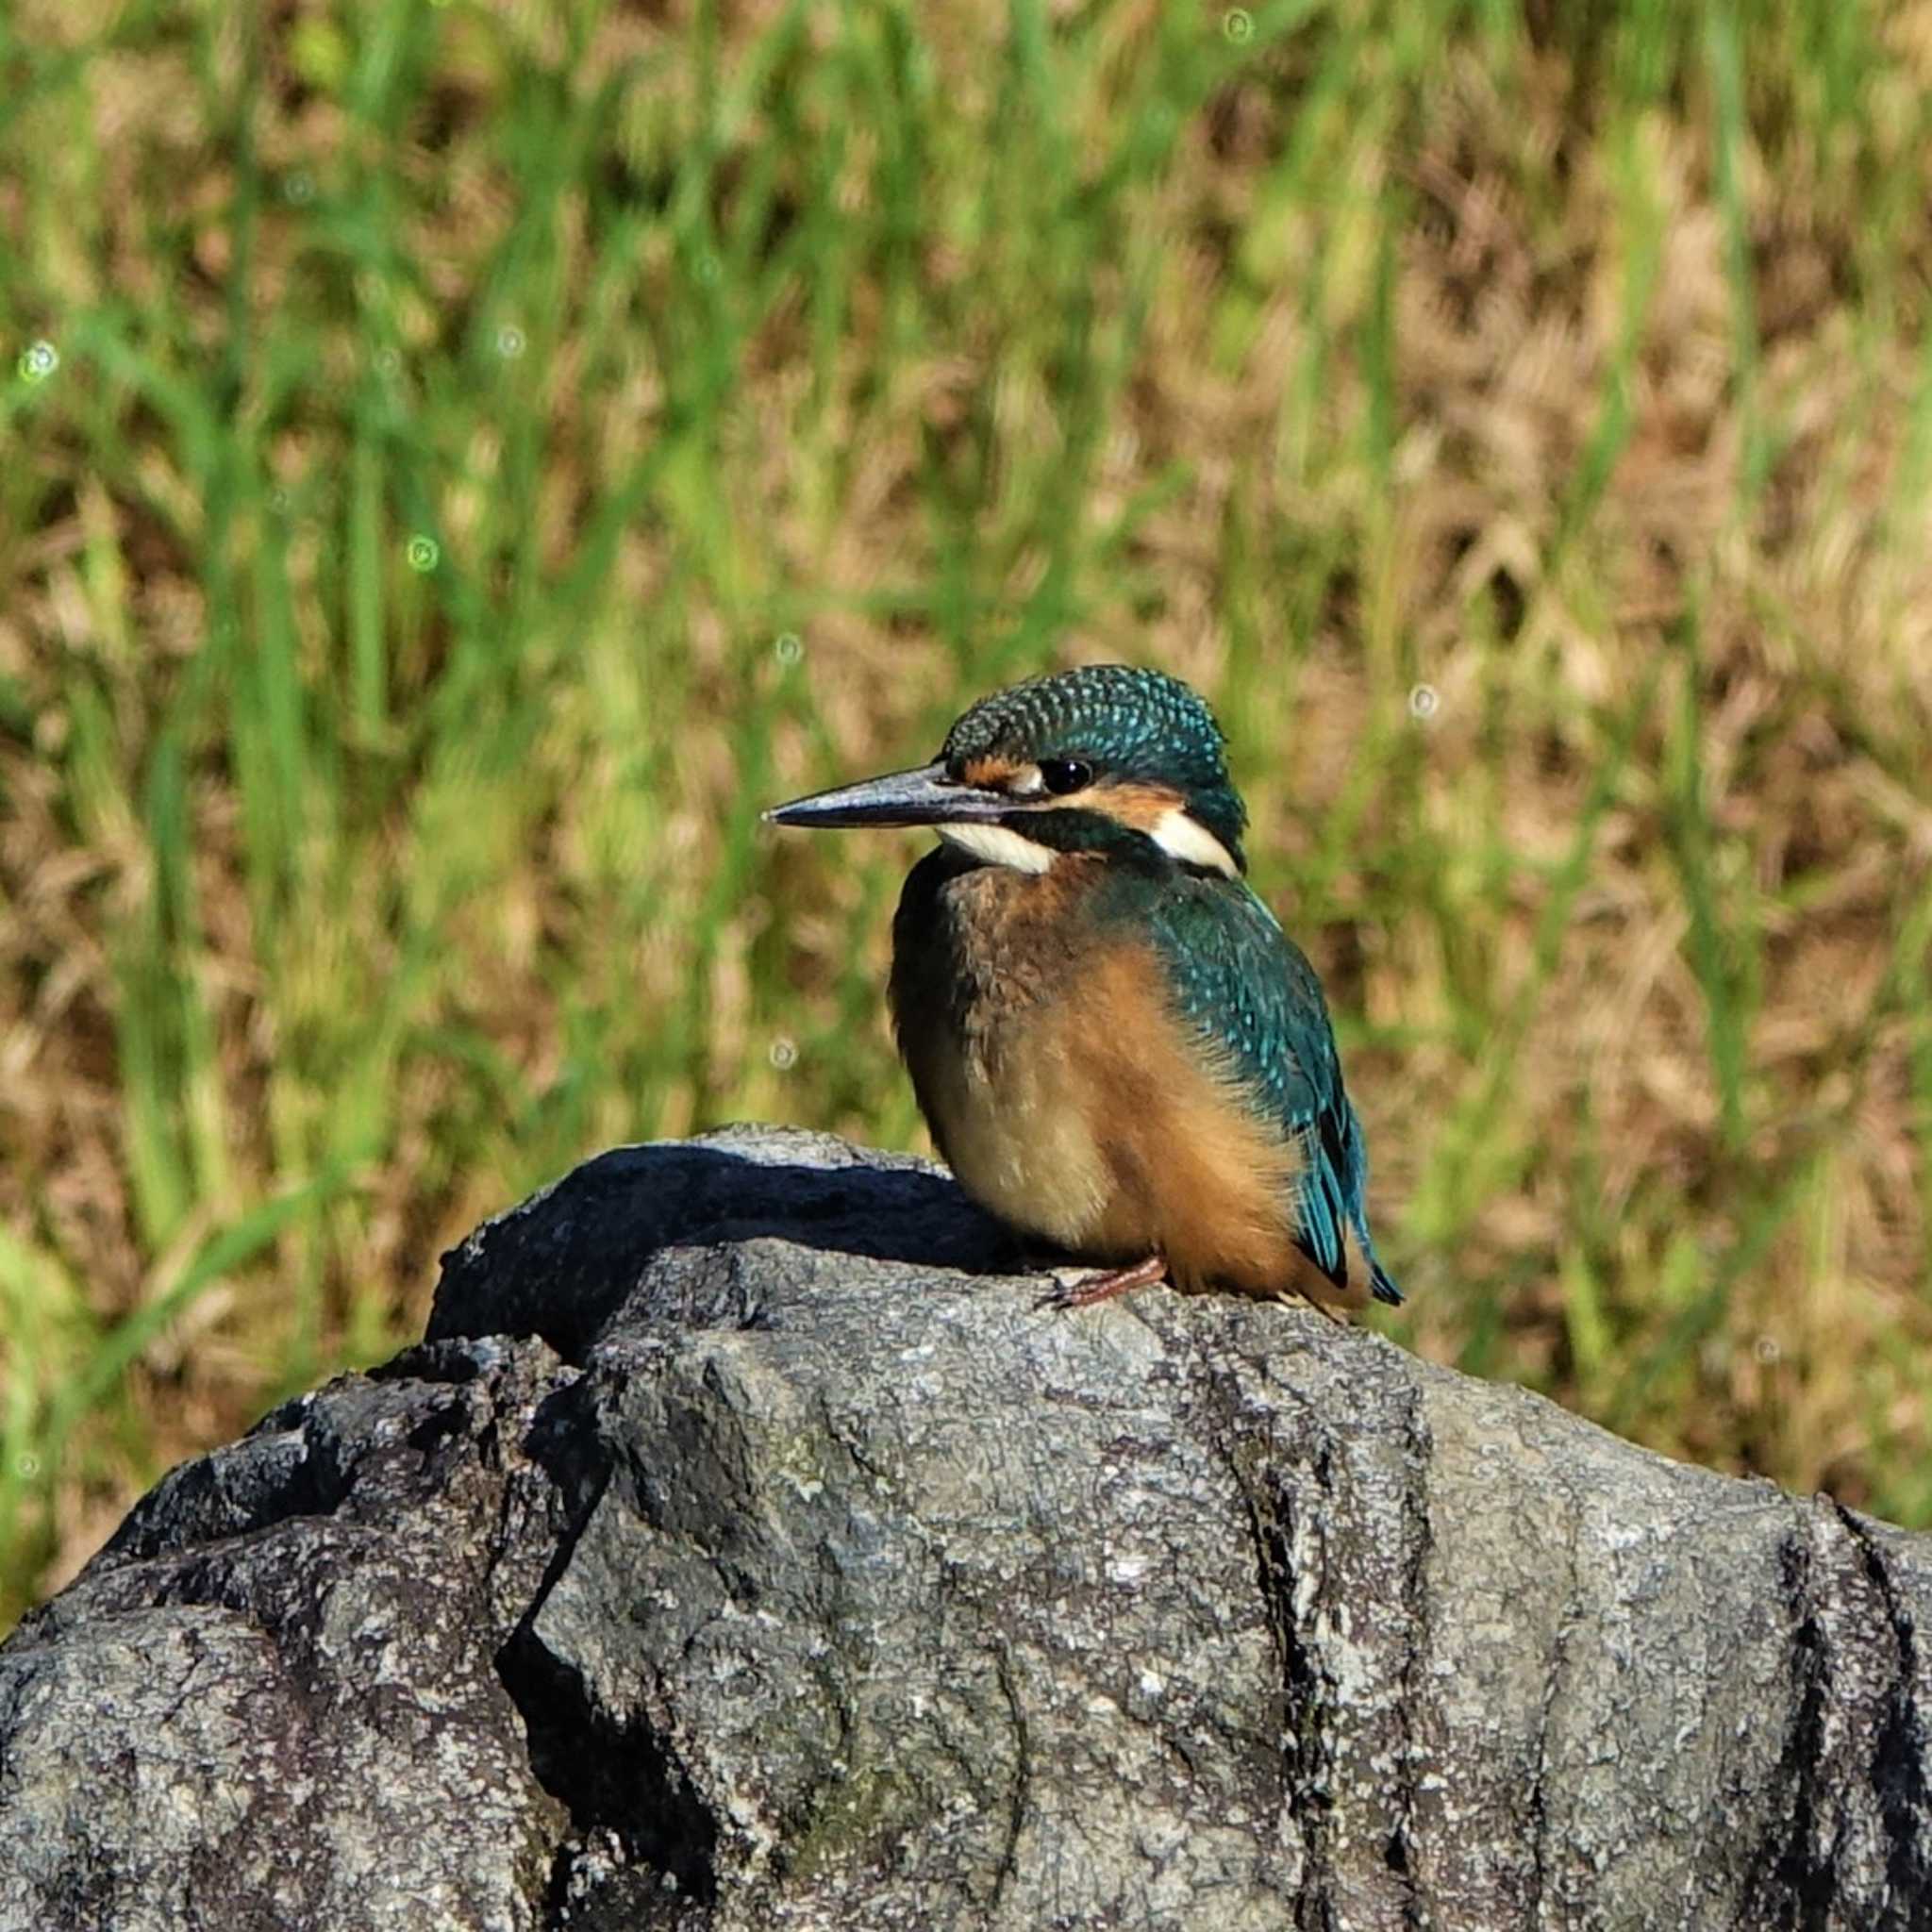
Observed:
{"x":745,"y":1548}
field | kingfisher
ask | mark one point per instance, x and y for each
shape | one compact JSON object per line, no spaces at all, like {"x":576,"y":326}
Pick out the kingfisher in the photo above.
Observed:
{"x":1119,"y":1052}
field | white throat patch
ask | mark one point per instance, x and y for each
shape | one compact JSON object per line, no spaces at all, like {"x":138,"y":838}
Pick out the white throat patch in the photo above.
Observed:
{"x":997,"y":845}
{"x":1190,"y":842}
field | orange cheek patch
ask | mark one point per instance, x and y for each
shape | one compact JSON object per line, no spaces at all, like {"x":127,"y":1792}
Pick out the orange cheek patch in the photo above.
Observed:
{"x":1135,"y":803}
{"x":996,"y":774}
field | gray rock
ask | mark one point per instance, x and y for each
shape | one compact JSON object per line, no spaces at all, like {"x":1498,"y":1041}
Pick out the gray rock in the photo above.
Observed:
{"x":745,"y":1550}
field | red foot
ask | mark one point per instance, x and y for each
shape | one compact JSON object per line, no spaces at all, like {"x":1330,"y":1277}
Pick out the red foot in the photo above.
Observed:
{"x":1104,"y":1287}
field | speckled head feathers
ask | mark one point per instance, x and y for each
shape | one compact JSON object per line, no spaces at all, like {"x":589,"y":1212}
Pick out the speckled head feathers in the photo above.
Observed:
{"x":1128,"y":723}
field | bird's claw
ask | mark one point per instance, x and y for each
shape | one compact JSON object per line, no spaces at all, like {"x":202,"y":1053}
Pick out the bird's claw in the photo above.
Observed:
{"x":1080,"y":1287}
{"x":1067,"y":1283}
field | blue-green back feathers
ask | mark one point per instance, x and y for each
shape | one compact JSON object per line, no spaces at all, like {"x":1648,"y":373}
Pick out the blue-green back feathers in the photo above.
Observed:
{"x":1238,"y":979}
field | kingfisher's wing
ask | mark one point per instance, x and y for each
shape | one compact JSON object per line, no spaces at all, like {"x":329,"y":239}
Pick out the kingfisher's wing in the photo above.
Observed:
{"x":1247,"y":986}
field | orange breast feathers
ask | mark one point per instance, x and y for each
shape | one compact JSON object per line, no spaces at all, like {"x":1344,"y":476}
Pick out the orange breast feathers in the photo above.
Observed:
{"x":1072,"y":1100}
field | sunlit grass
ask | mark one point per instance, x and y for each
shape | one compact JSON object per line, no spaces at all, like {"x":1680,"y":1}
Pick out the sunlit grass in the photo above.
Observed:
{"x":461,"y":463}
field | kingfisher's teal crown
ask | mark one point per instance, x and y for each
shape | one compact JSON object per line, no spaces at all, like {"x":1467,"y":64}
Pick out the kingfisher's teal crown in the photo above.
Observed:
{"x":1125,"y":722}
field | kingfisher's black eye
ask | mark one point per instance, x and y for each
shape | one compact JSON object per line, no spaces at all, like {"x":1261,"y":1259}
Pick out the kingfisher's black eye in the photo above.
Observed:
{"x":1065,"y":774}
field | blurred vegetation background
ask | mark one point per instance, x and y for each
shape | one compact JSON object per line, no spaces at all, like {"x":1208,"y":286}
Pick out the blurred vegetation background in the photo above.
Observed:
{"x":461,"y":461}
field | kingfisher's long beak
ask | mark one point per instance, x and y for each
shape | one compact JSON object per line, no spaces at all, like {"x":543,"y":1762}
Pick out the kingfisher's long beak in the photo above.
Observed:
{"x":924,"y":797}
